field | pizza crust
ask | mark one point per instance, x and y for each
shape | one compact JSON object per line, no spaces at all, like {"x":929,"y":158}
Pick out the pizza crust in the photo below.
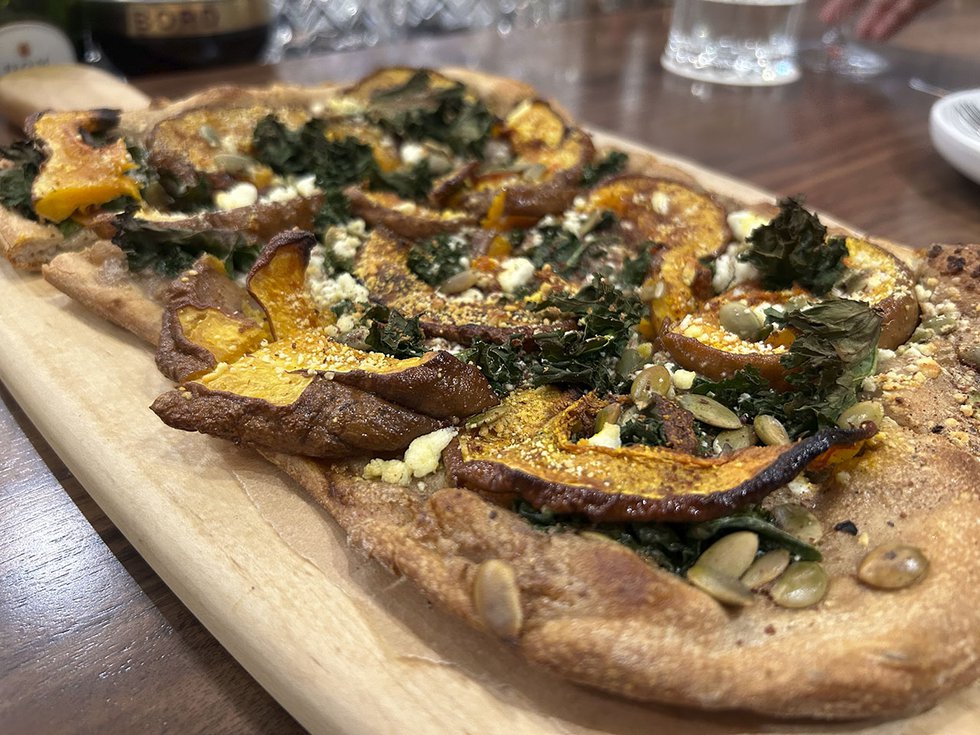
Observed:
{"x":593,"y":611}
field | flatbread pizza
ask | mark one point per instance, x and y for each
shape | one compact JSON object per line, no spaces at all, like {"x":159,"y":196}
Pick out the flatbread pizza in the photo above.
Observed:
{"x":667,"y":444}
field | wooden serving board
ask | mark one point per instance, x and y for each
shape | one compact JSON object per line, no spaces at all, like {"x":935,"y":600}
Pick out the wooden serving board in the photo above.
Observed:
{"x":340,"y":642}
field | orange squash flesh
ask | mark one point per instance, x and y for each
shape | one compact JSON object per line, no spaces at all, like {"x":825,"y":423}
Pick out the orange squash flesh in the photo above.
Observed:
{"x":75,"y":174}
{"x":530,"y":452}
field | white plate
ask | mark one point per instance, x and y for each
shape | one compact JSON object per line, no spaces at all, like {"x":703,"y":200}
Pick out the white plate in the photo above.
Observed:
{"x":955,"y":139}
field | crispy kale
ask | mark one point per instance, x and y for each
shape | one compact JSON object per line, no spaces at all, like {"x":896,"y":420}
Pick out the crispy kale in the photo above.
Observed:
{"x":675,"y":546}
{"x":16,"y":181}
{"x":794,"y":248}
{"x":610,"y":165}
{"x":834,"y":350}
{"x":392,"y":333}
{"x":438,"y":258}
{"x":586,"y":356}
{"x":169,"y":251}
{"x":417,"y":110}
{"x":503,"y":365}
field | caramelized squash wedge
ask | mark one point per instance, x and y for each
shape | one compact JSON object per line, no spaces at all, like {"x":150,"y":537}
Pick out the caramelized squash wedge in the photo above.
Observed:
{"x":300,"y":392}
{"x":529,"y":450}
{"x":79,"y":173}
{"x":698,"y":341}
{"x":382,"y":265}
{"x":664,"y":211}
{"x":550,"y":155}
{"x":405,"y":218}
{"x":208,"y":319}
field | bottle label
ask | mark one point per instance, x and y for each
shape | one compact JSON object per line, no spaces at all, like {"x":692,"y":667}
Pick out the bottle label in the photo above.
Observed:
{"x":192,"y":19}
{"x":26,"y":44}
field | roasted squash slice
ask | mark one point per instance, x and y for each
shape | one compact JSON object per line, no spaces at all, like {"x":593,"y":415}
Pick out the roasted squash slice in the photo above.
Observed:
{"x":663,"y":211}
{"x":382,"y":265}
{"x":529,"y":450}
{"x":698,"y":341}
{"x":78,"y":173}
{"x":405,"y":218}
{"x":208,"y":319}
{"x":301,"y":392}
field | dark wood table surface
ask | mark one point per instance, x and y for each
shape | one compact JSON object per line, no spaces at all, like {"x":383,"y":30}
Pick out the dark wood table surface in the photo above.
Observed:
{"x":91,"y":639}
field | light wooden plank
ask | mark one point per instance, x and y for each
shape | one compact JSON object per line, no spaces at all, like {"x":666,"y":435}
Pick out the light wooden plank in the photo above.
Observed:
{"x":336,"y":639}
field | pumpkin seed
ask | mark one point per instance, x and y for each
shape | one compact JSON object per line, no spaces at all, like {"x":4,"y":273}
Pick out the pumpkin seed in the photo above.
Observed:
{"x":804,"y":583}
{"x":766,"y":568}
{"x":971,"y":355}
{"x":770,"y":430}
{"x":629,"y":362}
{"x":210,"y":136}
{"x":731,"y":555}
{"x":650,"y":380}
{"x":607,"y":415}
{"x":234,"y":163}
{"x":940,"y":323}
{"x":497,"y":598}
{"x":731,"y":441}
{"x":487,"y":417}
{"x":893,"y":566}
{"x":740,"y":319}
{"x":722,"y":587}
{"x":798,"y":521}
{"x":861,"y":412}
{"x":459,"y":282}
{"x":709,"y":411}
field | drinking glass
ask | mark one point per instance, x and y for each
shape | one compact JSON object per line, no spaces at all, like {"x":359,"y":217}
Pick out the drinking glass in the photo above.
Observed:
{"x":744,"y":42}
{"x":303,"y":27}
{"x":838,"y":54}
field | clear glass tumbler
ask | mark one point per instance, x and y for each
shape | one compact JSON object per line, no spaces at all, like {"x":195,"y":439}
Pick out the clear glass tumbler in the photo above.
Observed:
{"x":744,"y":42}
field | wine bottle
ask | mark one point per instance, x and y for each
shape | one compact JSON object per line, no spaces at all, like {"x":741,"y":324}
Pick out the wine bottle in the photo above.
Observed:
{"x":37,"y":33}
{"x":152,"y":36}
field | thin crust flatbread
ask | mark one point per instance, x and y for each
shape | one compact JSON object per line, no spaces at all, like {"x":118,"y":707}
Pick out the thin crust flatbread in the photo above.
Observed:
{"x":592,"y":610}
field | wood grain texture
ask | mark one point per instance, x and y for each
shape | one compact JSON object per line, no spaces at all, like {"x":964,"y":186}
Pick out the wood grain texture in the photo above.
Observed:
{"x":91,"y":639}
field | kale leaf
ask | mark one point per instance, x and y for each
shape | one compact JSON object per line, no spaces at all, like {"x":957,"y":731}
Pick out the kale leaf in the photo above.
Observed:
{"x":645,"y":429}
{"x":438,"y":258}
{"x":413,"y":183}
{"x":588,"y":355}
{"x":794,"y":248}
{"x":416,"y":110}
{"x":335,"y":210}
{"x":502,"y":365}
{"x":392,"y":333}
{"x":168,"y":251}
{"x":674,"y":546}
{"x":334,"y":163}
{"x":835,"y":348}
{"x":635,"y":270}
{"x":16,"y":181}
{"x":610,"y":165}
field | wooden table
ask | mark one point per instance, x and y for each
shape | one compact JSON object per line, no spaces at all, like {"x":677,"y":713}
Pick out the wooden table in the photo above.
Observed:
{"x":91,"y":639}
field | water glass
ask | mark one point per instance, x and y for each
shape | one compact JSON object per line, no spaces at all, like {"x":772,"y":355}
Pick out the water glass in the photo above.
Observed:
{"x":303,"y":27}
{"x":744,"y":42}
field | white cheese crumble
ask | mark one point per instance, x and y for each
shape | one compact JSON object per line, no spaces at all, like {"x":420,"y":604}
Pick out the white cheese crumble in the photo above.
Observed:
{"x":515,"y":273}
{"x":421,"y":459}
{"x":412,"y":153}
{"x":242,"y":194}
{"x":729,"y":271}
{"x":608,"y":436}
{"x":393,"y":471}
{"x":743,"y":222}
{"x":683,"y":379}
{"x":660,"y":202}
{"x":423,"y":454}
